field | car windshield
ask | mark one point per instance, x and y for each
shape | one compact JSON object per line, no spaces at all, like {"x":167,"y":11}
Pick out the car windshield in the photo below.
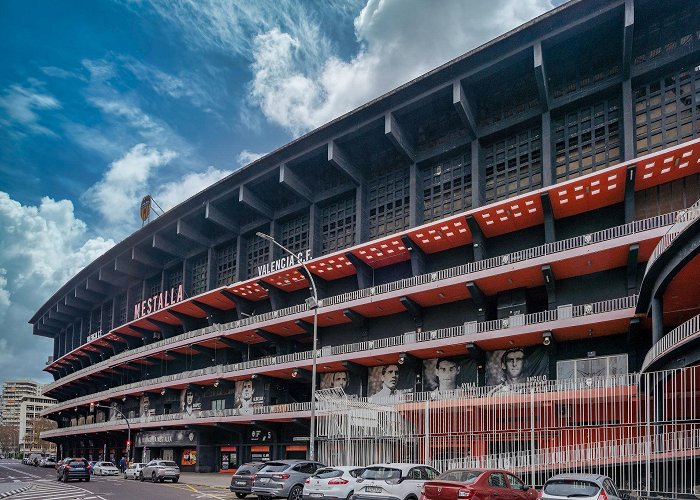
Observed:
{"x":461,"y":476}
{"x":571,"y":488}
{"x":381,"y":473}
{"x":275,"y":467}
{"x":106,"y":464}
{"x":169,"y":464}
{"x":328,"y":473}
{"x":246,"y":470}
{"x":77,"y":463}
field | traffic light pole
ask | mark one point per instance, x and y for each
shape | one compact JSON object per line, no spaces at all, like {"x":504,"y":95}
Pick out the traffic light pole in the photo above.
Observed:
{"x":128,"y":427}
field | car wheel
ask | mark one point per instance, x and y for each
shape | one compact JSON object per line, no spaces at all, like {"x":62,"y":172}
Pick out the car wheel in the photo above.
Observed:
{"x":162,"y":479}
{"x":241,"y":495}
{"x":87,"y":479}
{"x":154,"y":479}
{"x":65,"y":478}
{"x":176,"y":480}
{"x":295,"y":493}
{"x":125,"y":476}
{"x":349,"y":497}
{"x":141,"y":477}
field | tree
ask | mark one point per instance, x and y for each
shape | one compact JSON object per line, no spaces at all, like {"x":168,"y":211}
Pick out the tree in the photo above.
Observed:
{"x":9,"y":438}
{"x":39,"y":425}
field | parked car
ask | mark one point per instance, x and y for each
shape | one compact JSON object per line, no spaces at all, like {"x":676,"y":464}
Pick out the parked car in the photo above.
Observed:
{"x":582,"y":487}
{"x":49,"y":462}
{"x":474,"y":483}
{"x":283,"y":479}
{"x":160,"y":470}
{"x":34,"y":459}
{"x":332,"y":483}
{"x":241,"y":481}
{"x":92,"y":466}
{"x":396,"y":480}
{"x":73,"y":468}
{"x":105,"y":469}
{"x":134,"y":471}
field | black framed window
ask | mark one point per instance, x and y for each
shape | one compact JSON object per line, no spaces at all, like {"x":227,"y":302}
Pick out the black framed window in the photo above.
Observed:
{"x":226,"y":264}
{"x":174,"y":277}
{"x":154,"y":285}
{"x":666,"y":110}
{"x":338,"y":221}
{"x":513,"y":165}
{"x":295,"y":233}
{"x":258,"y":254}
{"x":199,"y":274}
{"x":95,"y":320}
{"x":664,"y":28}
{"x":122,"y":307}
{"x":389,"y":200}
{"x":106,"y":323}
{"x":447,"y":187}
{"x":587,"y":139}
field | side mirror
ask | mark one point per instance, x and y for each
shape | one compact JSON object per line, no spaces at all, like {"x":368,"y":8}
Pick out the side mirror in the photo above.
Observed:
{"x":525,"y":487}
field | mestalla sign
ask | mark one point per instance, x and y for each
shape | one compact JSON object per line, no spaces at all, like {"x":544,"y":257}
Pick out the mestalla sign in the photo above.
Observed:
{"x":158,"y":301}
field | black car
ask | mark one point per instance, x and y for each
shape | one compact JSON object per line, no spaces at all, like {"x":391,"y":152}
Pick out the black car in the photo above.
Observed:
{"x":241,"y":481}
{"x":73,"y":468}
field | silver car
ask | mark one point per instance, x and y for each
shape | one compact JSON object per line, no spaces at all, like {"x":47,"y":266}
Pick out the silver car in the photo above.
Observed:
{"x":582,"y":487}
{"x":283,"y":479}
{"x":160,"y":470}
{"x":134,"y":471}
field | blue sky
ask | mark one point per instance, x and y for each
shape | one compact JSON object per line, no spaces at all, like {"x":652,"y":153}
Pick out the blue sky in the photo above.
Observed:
{"x":102,"y":102}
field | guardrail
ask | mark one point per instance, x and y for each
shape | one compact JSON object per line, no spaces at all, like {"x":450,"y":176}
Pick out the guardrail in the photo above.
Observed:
{"x":684,"y":218}
{"x":466,"y":331}
{"x":463,"y":270}
{"x":671,"y":340}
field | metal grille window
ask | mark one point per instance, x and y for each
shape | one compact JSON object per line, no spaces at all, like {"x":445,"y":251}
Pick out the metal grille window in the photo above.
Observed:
{"x":338,"y":225}
{"x":135,"y":296}
{"x":226,"y":265}
{"x":199,"y":275}
{"x":95,"y":320}
{"x":666,"y":111}
{"x":594,"y":367}
{"x":447,"y":188}
{"x":154,"y":285}
{"x":258,"y":254}
{"x":666,"y":29}
{"x":295,"y":233}
{"x":389,"y":201}
{"x":121,"y":300}
{"x":587,"y":139}
{"x":174,"y":277}
{"x":107,"y":316}
{"x":513,"y":165}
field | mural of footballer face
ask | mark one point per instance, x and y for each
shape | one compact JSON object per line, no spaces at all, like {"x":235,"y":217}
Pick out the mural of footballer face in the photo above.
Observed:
{"x":512,"y":364}
{"x":447,"y":371}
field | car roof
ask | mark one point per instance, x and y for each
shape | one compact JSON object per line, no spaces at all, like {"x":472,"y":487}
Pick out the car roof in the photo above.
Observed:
{"x":596,"y":478}
{"x":399,"y":465}
{"x":344,"y":467}
{"x":290,"y":462}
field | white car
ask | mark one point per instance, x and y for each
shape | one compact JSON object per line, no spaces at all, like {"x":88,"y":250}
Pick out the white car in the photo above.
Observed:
{"x":332,"y":483}
{"x":134,"y":471}
{"x":396,"y":481}
{"x":105,"y":469}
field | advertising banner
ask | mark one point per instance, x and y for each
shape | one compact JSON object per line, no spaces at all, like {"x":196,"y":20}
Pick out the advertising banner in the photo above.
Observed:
{"x":190,"y":402}
{"x":390,"y":383}
{"x":449,"y":374}
{"x":249,"y":394}
{"x":506,"y":368}
{"x":350,"y":383}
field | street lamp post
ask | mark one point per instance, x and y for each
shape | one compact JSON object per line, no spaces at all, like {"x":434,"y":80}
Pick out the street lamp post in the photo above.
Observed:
{"x":312,"y":303}
{"x":128,"y":427}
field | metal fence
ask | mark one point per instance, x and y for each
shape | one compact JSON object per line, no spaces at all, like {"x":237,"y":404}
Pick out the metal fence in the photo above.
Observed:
{"x":643,"y":430}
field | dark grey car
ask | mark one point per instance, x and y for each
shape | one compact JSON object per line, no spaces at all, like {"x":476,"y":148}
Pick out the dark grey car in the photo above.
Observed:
{"x":283,"y":479}
{"x":241,"y":481}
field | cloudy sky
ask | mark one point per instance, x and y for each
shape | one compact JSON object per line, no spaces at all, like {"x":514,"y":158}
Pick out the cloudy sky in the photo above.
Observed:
{"x":102,"y":102}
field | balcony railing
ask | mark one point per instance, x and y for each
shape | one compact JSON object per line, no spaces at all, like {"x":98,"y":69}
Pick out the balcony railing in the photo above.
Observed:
{"x":672,"y":340}
{"x":684,"y":218}
{"x":466,"y":333}
{"x":459,"y":271}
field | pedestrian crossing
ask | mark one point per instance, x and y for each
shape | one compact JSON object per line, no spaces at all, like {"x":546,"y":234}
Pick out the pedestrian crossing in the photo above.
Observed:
{"x":56,"y":491}
{"x":12,"y":472}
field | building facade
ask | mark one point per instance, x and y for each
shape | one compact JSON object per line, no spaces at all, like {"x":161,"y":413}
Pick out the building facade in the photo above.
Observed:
{"x":503,"y":258}
{"x":31,"y":424}
{"x":13,"y":391}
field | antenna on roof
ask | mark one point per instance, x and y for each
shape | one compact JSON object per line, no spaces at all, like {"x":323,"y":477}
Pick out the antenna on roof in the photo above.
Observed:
{"x":147,"y":208}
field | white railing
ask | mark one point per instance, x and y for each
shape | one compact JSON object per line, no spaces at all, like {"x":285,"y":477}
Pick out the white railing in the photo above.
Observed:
{"x":462,"y":270}
{"x":466,"y":332}
{"x":684,"y":218}
{"x":672,"y":340}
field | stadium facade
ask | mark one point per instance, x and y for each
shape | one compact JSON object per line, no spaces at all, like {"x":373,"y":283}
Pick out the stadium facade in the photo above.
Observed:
{"x":505,"y":259}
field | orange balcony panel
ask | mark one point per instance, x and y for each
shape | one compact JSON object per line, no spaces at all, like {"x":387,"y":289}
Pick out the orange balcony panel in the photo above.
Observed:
{"x":189,"y":309}
{"x":382,"y":253}
{"x":249,"y":290}
{"x":667,"y":166}
{"x":288,"y":328}
{"x":589,"y":192}
{"x":601,"y":329}
{"x":680,"y":297}
{"x":590,"y":263}
{"x":528,"y":278}
{"x":437,"y":296}
{"x":332,"y":267}
{"x":510,"y":215}
{"x":166,"y":317}
{"x":443,"y":235}
{"x":330,"y":318}
{"x":448,"y":350}
{"x":215,"y":299}
{"x":381,"y":308}
{"x":501,"y":341}
{"x":288,"y":280}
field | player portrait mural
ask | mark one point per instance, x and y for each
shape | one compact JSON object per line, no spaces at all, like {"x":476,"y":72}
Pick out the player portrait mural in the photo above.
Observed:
{"x":250,"y":393}
{"x":114,"y":408}
{"x":349,"y":383}
{"x":190,"y":401}
{"x":449,"y":374}
{"x":506,"y":368}
{"x":145,"y":409}
{"x":390,"y":383}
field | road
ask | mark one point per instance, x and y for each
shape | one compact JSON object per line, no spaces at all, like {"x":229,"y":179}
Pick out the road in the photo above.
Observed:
{"x":43,"y":486}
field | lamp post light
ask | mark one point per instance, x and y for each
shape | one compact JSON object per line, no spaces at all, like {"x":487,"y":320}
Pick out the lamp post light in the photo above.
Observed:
{"x":128,"y":426}
{"x":313,"y":303}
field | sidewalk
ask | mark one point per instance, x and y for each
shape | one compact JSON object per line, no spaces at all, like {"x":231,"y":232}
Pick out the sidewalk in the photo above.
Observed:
{"x":210,"y":479}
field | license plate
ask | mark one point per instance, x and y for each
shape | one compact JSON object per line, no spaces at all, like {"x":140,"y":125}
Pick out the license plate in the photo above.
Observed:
{"x":373,"y":489}
{"x":316,"y":495}
{"x":241,"y":483}
{"x":264,"y":479}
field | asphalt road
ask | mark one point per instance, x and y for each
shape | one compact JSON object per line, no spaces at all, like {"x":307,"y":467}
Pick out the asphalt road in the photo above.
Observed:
{"x":43,"y":486}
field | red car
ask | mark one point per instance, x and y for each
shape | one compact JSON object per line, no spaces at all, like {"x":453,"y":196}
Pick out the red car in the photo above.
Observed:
{"x":475,"y":484}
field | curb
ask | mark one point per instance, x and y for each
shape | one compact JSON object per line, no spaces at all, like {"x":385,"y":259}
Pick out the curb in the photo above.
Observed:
{"x":14,"y":492}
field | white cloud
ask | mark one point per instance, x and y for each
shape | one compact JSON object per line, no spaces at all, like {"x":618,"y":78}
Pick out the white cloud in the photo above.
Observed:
{"x":245,"y":157}
{"x":21,"y":106}
{"x":173,"y":193}
{"x":399,"y":39}
{"x":42,"y":248}
{"x":117,"y":195}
